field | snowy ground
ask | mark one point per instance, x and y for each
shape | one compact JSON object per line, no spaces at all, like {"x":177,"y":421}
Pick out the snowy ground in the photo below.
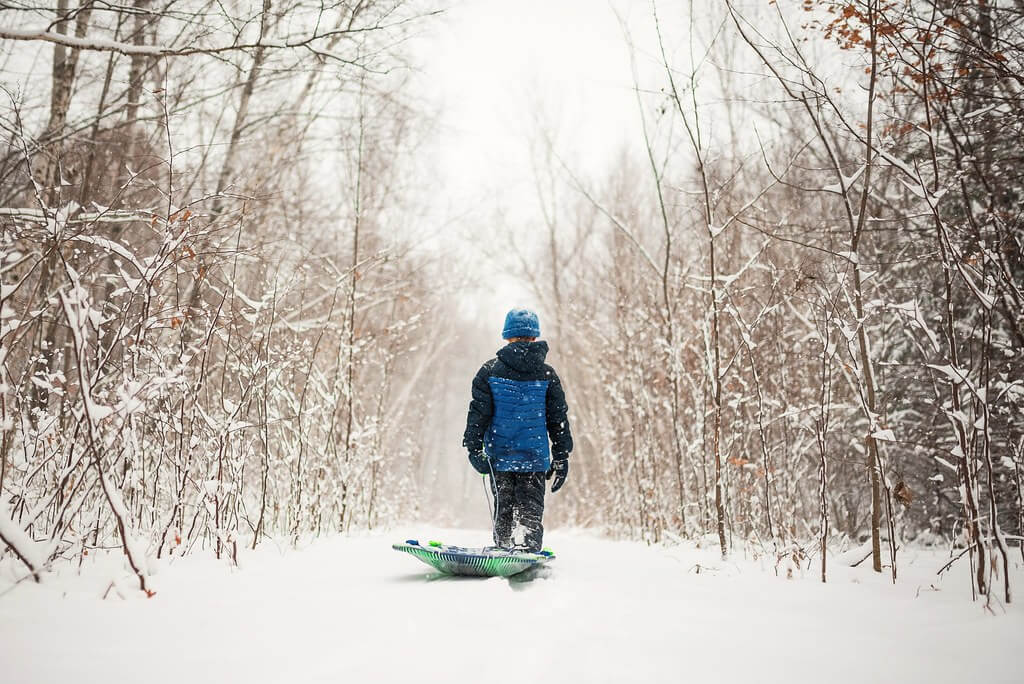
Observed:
{"x":352,"y":610}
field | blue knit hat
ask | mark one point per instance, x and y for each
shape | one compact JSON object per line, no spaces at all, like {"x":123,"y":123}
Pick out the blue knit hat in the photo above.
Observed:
{"x":520,"y":323}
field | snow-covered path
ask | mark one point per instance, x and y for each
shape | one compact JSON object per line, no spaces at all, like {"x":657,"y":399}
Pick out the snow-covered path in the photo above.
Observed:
{"x":352,"y":610}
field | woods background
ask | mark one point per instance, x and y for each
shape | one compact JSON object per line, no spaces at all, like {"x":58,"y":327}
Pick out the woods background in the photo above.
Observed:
{"x":789,"y":320}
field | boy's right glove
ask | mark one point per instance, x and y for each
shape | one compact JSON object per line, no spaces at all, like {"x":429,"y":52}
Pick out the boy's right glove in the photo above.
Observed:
{"x":560,"y":470}
{"x":479,"y":462}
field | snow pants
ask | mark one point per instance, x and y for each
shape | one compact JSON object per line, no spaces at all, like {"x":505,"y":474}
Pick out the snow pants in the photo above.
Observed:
{"x":518,"y":504}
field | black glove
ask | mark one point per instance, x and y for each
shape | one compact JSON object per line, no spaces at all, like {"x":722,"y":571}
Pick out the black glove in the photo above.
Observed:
{"x":479,"y":462}
{"x":560,"y":469}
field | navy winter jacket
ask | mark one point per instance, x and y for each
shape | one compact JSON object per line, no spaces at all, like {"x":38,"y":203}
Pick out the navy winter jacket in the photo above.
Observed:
{"x":517,"y":404}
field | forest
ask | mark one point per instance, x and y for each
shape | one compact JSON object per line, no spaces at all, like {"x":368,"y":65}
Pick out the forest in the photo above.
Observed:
{"x":790,"y":319}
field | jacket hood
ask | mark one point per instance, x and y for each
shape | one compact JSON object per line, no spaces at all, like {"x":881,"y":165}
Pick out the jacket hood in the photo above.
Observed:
{"x":524,"y":357}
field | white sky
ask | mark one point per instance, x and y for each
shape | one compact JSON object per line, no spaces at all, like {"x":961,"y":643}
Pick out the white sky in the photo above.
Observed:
{"x":492,"y":67}
{"x":495,"y":65}
{"x":500,"y":72}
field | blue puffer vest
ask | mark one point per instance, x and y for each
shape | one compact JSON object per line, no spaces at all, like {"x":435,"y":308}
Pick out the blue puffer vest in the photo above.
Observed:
{"x":518,"y":403}
{"x":517,"y":439}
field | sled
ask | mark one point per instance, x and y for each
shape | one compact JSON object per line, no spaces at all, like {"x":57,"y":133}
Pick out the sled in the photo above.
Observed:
{"x":487,"y":562}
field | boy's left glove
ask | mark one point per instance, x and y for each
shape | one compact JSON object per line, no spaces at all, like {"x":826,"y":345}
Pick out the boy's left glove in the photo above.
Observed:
{"x":560,"y":470}
{"x":479,"y":462}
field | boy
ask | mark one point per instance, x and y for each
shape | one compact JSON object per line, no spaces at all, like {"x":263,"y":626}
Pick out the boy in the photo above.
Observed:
{"x":517,"y":404}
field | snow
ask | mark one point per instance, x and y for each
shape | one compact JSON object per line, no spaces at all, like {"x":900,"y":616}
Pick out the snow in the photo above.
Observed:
{"x":884,"y":435}
{"x":912,"y":309}
{"x":135,"y":549}
{"x":349,"y":609}
{"x":104,"y":45}
{"x":953,"y":374}
{"x":846,"y":182}
{"x":12,"y":533}
{"x":112,"y":247}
